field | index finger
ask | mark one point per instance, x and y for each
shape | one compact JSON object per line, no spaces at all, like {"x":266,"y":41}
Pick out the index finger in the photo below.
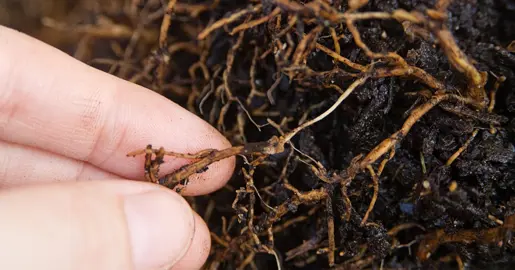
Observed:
{"x":50,"y":101}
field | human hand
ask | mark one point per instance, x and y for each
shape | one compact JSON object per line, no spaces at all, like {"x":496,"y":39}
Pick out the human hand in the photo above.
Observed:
{"x":62,"y":123}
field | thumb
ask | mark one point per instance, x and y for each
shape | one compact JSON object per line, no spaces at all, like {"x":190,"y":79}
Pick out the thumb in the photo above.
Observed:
{"x":99,"y":225}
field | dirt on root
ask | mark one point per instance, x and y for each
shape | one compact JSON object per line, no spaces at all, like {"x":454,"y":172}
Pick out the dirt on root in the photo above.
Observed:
{"x":370,"y":134}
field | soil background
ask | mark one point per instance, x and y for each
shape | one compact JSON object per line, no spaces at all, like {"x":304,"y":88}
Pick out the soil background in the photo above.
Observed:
{"x":273,"y":76}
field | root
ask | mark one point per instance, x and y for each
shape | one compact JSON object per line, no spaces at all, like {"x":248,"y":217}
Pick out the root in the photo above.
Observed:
{"x":434,"y":239}
{"x":461,"y":149}
{"x":274,"y":145}
{"x":389,"y":143}
{"x":165,"y":25}
{"x":234,"y":17}
{"x":330,"y":231}
{"x":460,"y":61}
{"x":395,"y":138}
{"x":256,"y":22}
{"x":375,"y":180}
{"x":336,"y":55}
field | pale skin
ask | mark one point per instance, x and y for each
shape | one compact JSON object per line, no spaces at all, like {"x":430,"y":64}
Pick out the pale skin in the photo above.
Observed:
{"x":69,"y":196}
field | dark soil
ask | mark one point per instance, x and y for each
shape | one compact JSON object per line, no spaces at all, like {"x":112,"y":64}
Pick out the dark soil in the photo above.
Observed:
{"x":423,"y":204}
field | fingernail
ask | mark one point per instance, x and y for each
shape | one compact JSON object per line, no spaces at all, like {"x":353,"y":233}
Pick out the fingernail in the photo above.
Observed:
{"x":161,"y":226}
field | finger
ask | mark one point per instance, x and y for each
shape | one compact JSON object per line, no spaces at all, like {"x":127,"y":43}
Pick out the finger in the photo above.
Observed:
{"x":199,"y":249}
{"x":95,"y":225}
{"x":20,"y":165}
{"x":50,"y":101}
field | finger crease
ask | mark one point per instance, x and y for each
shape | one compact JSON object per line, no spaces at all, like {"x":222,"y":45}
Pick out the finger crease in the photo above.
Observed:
{"x":99,"y":136}
{"x":104,"y":136}
{"x":9,"y":107}
{"x":80,"y":170}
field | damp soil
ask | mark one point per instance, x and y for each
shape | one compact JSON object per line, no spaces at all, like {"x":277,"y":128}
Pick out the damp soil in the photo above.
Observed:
{"x":444,"y":198}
